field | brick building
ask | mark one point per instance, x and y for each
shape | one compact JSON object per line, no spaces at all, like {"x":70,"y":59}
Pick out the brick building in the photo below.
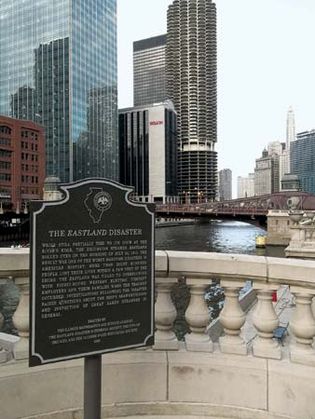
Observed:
{"x":22,"y":163}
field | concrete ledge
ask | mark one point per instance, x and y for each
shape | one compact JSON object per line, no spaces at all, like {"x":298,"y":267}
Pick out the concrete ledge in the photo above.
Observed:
{"x":216,"y":265}
{"x":286,"y":381}
{"x":171,"y":411}
{"x":148,"y":383}
{"x":218,"y":379}
{"x":132,"y":376}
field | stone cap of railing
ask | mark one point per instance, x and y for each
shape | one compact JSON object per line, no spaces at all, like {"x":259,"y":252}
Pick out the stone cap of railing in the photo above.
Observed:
{"x":291,"y":271}
{"x":235,"y":266}
{"x":217,"y":265}
{"x":14,"y":262}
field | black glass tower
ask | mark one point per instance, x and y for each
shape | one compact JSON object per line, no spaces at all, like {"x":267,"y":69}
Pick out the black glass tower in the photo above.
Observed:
{"x":149,"y":70}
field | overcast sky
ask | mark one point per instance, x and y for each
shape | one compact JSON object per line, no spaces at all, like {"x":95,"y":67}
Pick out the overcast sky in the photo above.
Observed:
{"x":266,"y":62}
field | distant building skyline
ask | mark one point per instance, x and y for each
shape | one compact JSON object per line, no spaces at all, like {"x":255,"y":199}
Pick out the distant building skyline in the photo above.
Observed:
{"x":245,"y":103}
{"x":191,"y":78}
{"x":149,"y":70}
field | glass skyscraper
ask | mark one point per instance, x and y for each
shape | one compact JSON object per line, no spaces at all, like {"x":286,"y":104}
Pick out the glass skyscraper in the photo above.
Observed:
{"x":58,"y":67}
{"x":149,"y":71}
{"x":302,"y":153}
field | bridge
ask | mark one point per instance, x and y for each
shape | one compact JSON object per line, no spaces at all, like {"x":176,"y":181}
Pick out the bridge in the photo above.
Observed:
{"x":244,"y":209}
{"x":253,"y":210}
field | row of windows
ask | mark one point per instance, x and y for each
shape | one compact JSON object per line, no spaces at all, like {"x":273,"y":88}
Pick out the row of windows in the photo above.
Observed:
{"x":5,"y":141}
{"x":5,"y":165}
{"x":26,"y":156}
{"x":5,"y":153}
{"x":32,"y":168}
{"x":34,"y":147}
{"x":5,"y":177}
{"x":29,"y":179}
{"x":5,"y":130}
{"x":33,"y":191}
{"x":5,"y":192}
{"x":29,"y":134}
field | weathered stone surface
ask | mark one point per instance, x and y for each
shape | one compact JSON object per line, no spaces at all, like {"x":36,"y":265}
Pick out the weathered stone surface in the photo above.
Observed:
{"x":218,"y":379}
{"x":161,"y":261}
{"x":214,"y":264}
{"x":134,"y":376}
{"x":291,"y":271}
{"x":291,"y":389}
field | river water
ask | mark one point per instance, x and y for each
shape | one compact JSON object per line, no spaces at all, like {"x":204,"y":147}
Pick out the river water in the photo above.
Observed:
{"x":215,"y":236}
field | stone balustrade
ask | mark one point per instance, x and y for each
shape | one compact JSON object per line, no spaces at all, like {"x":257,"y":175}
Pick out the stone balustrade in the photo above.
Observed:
{"x":232,"y":271}
{"x":199,"y":270}
{"x":247,"y":359}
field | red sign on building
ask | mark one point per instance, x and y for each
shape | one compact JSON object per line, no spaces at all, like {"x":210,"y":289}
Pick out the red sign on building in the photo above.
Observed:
{"x":156,"y":123}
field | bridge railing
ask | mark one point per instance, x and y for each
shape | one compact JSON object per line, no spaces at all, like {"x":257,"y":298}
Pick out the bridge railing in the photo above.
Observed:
{"x":210,"y":209}
{"x":198,"y":271}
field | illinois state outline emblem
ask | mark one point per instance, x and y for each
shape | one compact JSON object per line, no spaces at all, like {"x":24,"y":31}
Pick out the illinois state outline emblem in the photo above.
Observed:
{"x":97,"y":202}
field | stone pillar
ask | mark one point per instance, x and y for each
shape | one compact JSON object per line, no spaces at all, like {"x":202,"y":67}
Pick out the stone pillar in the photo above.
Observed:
{"x":165,"y":315}
{"x":232,"y":319}
{"x":3,"y":353}
{"x":197,"y":317}
{"x":265,"y":321}
{"x":302,"y":326}
{"x":21,"y":318}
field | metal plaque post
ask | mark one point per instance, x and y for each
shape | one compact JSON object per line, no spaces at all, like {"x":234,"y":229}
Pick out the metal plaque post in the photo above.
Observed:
{"x":92,"y":386}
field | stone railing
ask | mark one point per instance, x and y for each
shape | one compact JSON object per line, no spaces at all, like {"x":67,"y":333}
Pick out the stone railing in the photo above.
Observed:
{"x":266,"y":275}
{"x":14,"y":266}
{"x":261,"y":361}
{"x":199,"y":270}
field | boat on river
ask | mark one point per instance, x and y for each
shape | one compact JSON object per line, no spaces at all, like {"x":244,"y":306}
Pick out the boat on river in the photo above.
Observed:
{"x":260,"y":241}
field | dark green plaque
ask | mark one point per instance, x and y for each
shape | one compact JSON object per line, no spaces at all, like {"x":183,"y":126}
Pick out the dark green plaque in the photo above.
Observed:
{"x":92,"y":273}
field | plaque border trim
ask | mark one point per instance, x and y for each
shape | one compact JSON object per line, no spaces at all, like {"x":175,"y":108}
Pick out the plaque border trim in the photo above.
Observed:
{"x":65,"y":187}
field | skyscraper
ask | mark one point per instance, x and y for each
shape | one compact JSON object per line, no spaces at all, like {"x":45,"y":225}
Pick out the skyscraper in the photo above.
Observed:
{"x":149,"y":70}
{"x":303,"y":160}
{"x":148,"y":150}
{"x":290,"y":128}
{"x":225,"y":184}
{"x":191,"y":74}
{"x":267,"y":174}
{"x":246,"y":186}
{"x":290,"y":137}
{"x":55,"y":57}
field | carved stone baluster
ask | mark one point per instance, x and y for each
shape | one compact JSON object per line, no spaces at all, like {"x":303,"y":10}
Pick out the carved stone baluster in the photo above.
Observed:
{"x":21,"y":318}
{"x":265,"y":321}
{"x":302,"y":326}
{"x":165,"y":315}
{"x":232,"y":319}
{"x":197,"y":317}
{"x":3,"y":353}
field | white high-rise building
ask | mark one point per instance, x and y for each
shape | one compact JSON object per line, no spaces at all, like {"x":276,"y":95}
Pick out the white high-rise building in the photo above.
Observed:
{"x":245,"y":186}
{"x":290,"y":128}
{"x":290,"y":136}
